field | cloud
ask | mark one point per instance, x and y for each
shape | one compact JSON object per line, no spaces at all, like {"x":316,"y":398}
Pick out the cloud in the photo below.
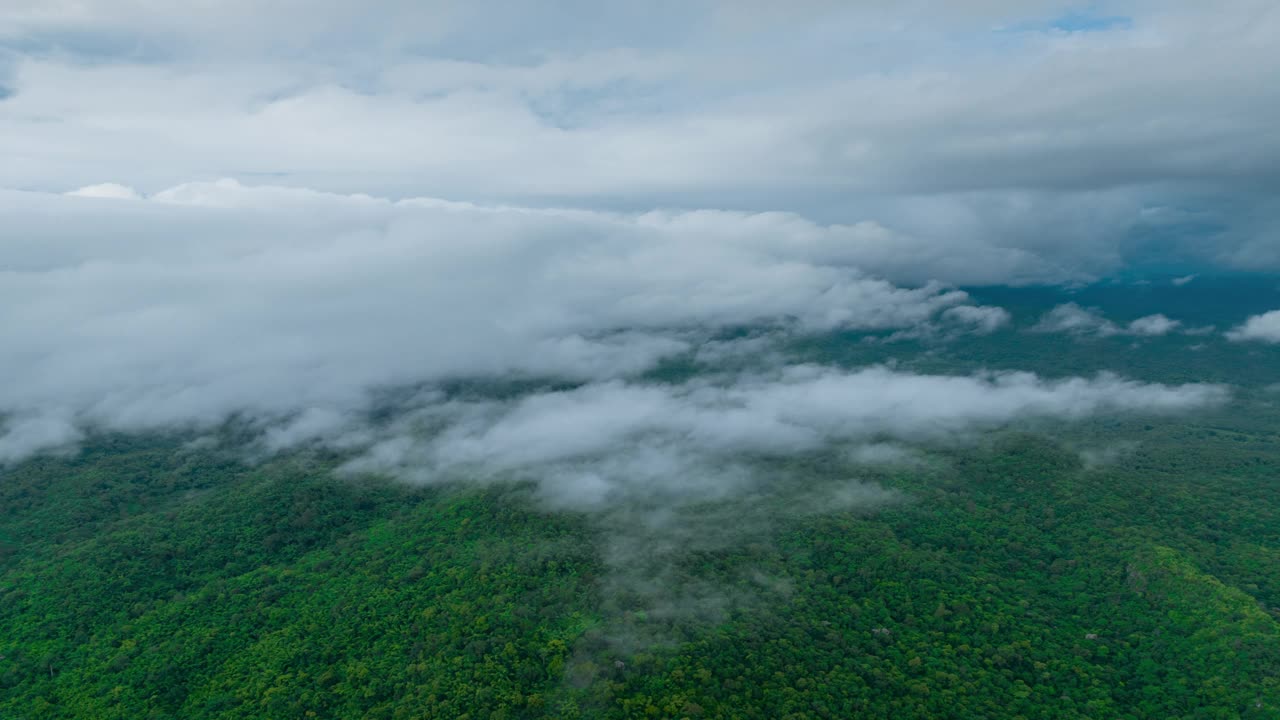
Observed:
{"x":441,"y":195}
{"x":666,"y":470}
{"x":1056,"y":154}
{"x":1105,"y":455}
{"x":1260,"y":328}
{"x":882,"y":453}
{"x":1152,"y":325}
{"x":111,"y":191}
{"x":208,"y":299}
{"x":983,"y":319}
{"x":608,"y":443}
{"x":952,"y":323}
{"x":1074,"y":319}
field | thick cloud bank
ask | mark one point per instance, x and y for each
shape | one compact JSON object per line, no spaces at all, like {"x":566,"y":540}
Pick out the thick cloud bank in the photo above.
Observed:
{"x":212,"y":299}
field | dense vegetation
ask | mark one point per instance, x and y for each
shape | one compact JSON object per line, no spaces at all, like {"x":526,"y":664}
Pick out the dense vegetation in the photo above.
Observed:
{"x":145,"y":577}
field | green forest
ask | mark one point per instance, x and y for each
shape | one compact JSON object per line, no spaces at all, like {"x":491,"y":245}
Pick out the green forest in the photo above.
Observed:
{"x":1123,"y":567}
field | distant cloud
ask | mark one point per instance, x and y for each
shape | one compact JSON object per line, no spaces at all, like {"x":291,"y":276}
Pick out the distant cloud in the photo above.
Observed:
{"x":1260,"y":328}
{"x":1180,"y":281}
{"x":995,"y":141}
{"x":107,"y":190}
{"x":951,"y":324}
{"x":1074,"y":319}
{"x":212,"y":298}
{"x":1102,"y":456}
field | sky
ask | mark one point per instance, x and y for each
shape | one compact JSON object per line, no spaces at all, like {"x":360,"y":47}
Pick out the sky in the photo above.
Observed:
{"x":282,"y":210}
{"x":1057,"y":140}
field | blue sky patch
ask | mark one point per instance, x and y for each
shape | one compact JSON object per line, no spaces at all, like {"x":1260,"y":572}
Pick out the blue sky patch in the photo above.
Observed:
{"x":1076,"y":21}
{"x":1088,"y":22}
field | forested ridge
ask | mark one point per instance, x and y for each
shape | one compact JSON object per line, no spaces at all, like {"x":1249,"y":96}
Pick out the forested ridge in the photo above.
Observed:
{"x":144,"y":579}
{"x":1125,"y":566}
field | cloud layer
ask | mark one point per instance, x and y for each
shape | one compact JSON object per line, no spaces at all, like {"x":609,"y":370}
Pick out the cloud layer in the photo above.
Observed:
{"x":998,"y":140}
{"x":1077,"y":320}
{"x":210,"y":299}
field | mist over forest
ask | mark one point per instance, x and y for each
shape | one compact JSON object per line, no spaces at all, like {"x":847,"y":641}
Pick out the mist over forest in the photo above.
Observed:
{"x":693,"y":360}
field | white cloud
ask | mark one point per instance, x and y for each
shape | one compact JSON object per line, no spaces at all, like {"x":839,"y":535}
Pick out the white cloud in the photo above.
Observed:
{"x":331,"y":426}
{"x":112,"y":191}
{"x":610,"y":443}
{"x":213,"y":298}
{"x":1044,"y":149}
{"x":1152,"y":325}
{"x":1262,"y":328}
{"x":983,"y":319}
{"x":952,"y":323}
{"x":1074,"y":319}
